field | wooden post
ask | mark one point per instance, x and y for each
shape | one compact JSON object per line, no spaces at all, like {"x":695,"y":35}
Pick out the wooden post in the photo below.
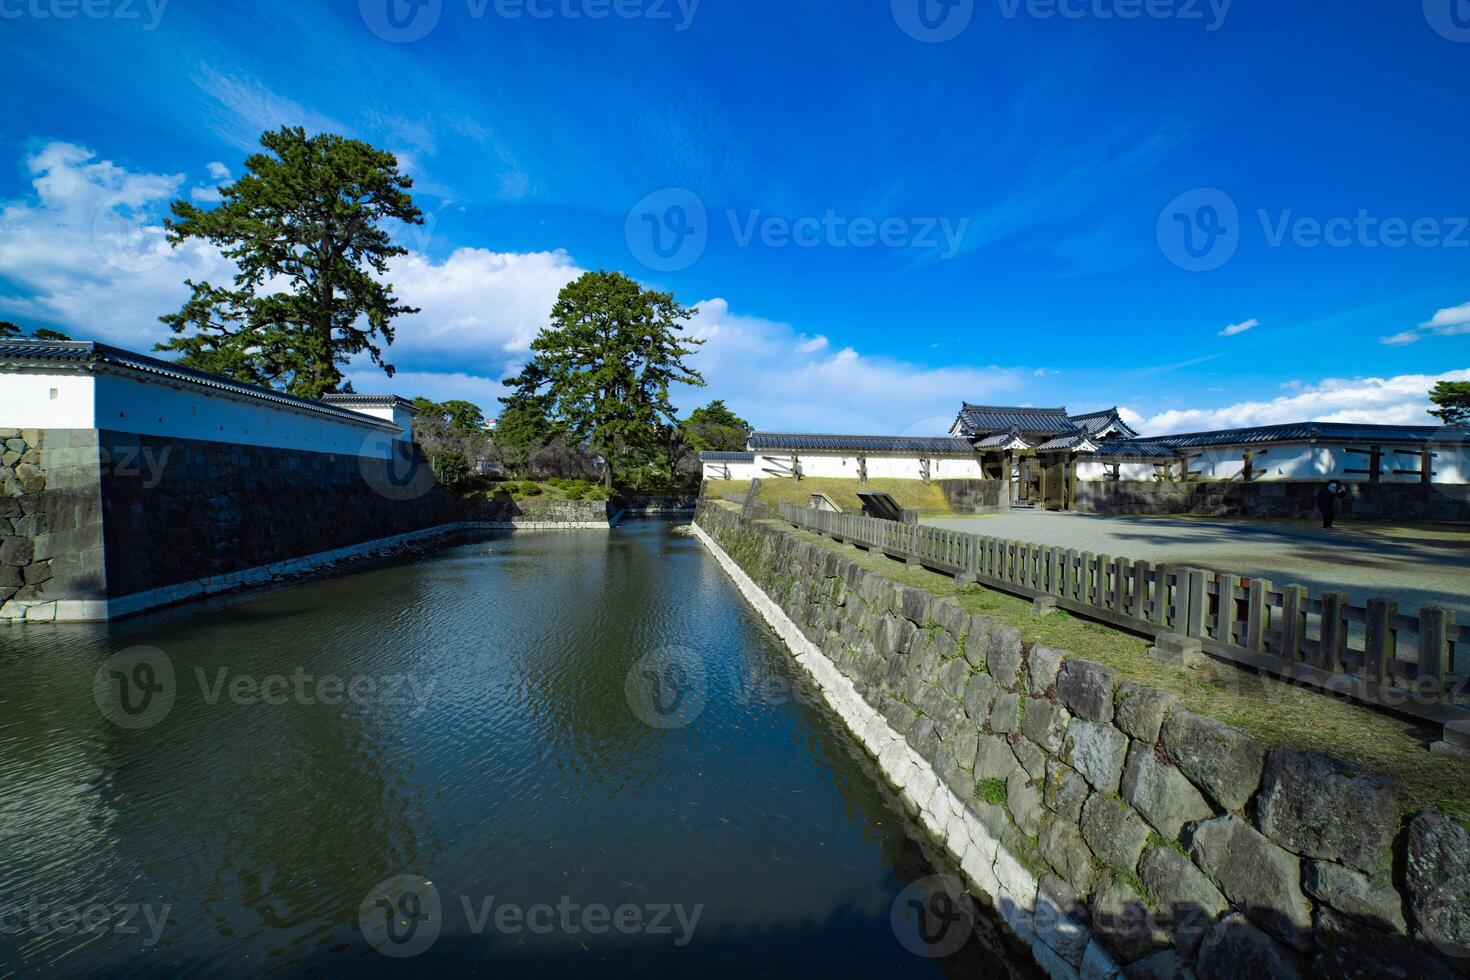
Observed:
{"x":1375,"y":463}
{"x":1434,"y":649}
{"x":1380,"y":641}
{"x":1333,"y":632}
{"x":862,"y":470}
{"x":1426,"y":465}
{"x":1293,"y":621}
{"x":1257,"y":615}
{"x":1138,"y":600}
{"x":1197,"y":606}
{"x":1226,"y":611}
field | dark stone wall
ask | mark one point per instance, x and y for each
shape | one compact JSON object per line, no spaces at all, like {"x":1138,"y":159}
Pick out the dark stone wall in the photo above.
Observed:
{"x":1266,"y":498}
{"x":977,"y":496}
{"x":50,"y":520}
{"x":175,"y":510}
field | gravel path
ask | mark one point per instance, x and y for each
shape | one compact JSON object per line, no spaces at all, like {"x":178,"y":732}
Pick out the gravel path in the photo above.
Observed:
{"x":1415,"y":566}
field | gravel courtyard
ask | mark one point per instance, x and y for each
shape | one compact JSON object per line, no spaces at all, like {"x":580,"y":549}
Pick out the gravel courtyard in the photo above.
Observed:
{"x":1417,"y":566}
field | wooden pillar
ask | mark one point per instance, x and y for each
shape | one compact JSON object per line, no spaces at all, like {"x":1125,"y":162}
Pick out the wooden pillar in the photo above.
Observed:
{"x":1426,"y":465}
{"x":862,"y":469}
{"x":1375,"y":463}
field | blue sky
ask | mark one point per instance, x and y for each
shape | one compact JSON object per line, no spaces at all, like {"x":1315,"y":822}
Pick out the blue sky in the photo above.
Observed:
{"x":999,"y":215}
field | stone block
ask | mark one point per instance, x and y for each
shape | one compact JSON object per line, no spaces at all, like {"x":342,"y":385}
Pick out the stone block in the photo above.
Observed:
{"x":1255,"y":874}
{"x":1346,"y":949}
{"x":1024,"y":801}
{"x":16,"y":551}
{"x":1140,"y":710}
{"x":1064,"y":791}
{"x":1004,"y":656}
{"x":1041,"y":669}
{"x":980,"y":694}
{"x":1160,"y":792}
{"x":994,"y":758}
{"x":1113,"y":831}
{"x":1318,"y":807}
{"x":1005,"y":714}
{"x":977,"y":639}
{"x":1045,"y":723}
{"x":1178,"y":651}
{"x":1223,"y":761}
{"x":1236,"y":950}
{"x":1061,"y":919}
{"x":1097,"y":751}
{"x":1437,"y":875}
{"x":1098,"y":963}
{"x":1043,"y":605}
{"x":1355,"y":894}
{"x":1086,"y":688}
{"x":1032,"y":759}
{"x":1185,"y":896}
{"x":1122,"y":920}
{"x":1062,"y":847}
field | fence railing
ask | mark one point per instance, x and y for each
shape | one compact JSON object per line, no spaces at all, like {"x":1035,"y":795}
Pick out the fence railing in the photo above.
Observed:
{"x":1370,"y":652}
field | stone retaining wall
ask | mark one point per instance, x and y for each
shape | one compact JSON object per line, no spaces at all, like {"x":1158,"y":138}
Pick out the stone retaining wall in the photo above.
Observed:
{"x":1107,"y":825}
{"x":1282,"y":498}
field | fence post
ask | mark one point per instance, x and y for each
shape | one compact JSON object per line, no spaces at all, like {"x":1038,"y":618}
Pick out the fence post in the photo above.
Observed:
{"x":1257,"y":615}
{"x":1197,"y":605}
{"x":1380,"y":641}
{"x":1160,"y":612}
{"x":1434,"y":647}
{"x":1225,"y":608}
{"x":1119,"y":601}
{"x":1333,"y":631}
{"x":1138,"y":601}
{"x":1293,"y":621}
{"x":1100,"y":581}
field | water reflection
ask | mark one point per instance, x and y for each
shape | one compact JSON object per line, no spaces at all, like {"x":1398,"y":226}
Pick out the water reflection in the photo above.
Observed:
{"x":462,"y":720}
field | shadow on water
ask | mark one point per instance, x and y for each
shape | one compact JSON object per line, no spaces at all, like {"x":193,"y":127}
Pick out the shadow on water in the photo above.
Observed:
{"x":462,"y":717}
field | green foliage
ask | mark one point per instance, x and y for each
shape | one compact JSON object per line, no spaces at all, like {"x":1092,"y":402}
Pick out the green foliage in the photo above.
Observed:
{"x":450,"y":466}
{"x":8,"y":329}
{"x":308,"y":214}
{"x":992,"y":791}
{"x":460,"y":417}
{"x":714,"y":427}
{"x":1453,"y":399}
{"x":522,"y":429}
{"x":601,"y":371}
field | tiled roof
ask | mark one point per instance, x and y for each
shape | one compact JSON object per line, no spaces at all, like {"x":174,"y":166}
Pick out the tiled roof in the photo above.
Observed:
{"x":857,"y":444}
{"x":1315,"y":431}
{"x":83,"y":353}
{"x":1000,"y":439}
{"x":984,"y":419}
{"x":1133,"y":449}
{"x":722,"y":456}
{"x":1062,"y":442}
{"x":369,"y":401}
{"x":1092,"y":422}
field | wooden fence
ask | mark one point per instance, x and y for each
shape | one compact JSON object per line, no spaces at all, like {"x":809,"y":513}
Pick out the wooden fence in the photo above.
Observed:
{"x":1370,"y":652}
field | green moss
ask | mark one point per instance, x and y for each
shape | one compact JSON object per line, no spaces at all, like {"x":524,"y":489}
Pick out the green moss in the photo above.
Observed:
{"x":992,"y":791}
{"x":1157,"y":840}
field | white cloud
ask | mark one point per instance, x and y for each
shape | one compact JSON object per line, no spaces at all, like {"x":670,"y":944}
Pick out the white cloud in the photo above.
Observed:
{"x":1450,"y":322}
{"x":86,"y":251}
{"x":1402,"y":399}
{"x":218,"y":171}
{"x":759,"y":367}
{"x":812,"y":346}
{"x":1236,"y":328}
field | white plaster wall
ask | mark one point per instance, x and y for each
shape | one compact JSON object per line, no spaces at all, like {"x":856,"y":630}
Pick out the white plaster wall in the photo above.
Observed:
{"x":33,"y":400}
{"x":729,"y":471}
{"x":128,"y":404}
{"x":401,"y":417}
{"x":958,"y":468}
{"x":1094,"y":470}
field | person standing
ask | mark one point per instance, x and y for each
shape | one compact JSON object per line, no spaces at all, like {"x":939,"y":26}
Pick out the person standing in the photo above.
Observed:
{"x":1327,"y":499}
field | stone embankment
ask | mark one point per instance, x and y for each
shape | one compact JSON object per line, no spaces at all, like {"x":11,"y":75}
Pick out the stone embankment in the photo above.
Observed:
{"x":1114,"y":832}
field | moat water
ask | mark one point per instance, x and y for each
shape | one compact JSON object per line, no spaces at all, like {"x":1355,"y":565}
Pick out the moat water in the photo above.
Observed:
{"x":541,"y":755}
